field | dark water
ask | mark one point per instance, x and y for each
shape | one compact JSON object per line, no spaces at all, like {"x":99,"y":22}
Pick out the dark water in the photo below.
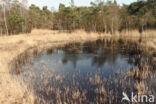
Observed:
{"x":92,"y":72}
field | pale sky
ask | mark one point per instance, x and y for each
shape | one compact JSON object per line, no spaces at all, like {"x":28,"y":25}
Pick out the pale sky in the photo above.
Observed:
{"x":55,"y":3}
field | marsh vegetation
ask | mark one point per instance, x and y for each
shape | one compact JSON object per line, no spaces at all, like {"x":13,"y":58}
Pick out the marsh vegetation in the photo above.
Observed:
{"x":54,"y":56}
{"x":91,"y":72}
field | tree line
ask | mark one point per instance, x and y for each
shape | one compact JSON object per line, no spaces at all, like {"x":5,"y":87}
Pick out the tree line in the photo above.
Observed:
{"x":100,"y":16}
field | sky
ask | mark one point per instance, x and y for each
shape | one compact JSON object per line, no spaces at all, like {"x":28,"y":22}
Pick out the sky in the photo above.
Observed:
{"x":54,"y":4}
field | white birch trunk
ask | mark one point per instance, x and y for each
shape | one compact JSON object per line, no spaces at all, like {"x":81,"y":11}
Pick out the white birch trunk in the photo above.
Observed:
{"x":5,"y":20}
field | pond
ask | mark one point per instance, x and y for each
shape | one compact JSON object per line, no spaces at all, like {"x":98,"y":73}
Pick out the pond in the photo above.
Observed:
{"x":88,"y":73}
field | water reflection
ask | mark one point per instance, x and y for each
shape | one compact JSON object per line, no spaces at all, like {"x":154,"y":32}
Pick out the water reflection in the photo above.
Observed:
{"x":92,"y":72}
{"x":100,"y":53}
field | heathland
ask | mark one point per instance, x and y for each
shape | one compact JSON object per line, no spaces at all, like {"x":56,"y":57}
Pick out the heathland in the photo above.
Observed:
{"x":12,"y":47}
{"x":32,"y":29}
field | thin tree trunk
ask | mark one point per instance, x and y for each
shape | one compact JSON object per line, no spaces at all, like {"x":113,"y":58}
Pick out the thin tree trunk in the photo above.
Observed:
{"x":105,"y":28}
{"x":112,"y":25}
{"x":21,"y":11}
{"x":95,"y":28}
{"x":127,"y":28}
{"x":1,"y":31}
{"x":142,"y":28}
{"x":5,"y":20}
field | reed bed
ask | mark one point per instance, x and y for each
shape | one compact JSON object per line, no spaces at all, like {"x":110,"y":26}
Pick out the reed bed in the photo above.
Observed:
{"x":65,"y":88}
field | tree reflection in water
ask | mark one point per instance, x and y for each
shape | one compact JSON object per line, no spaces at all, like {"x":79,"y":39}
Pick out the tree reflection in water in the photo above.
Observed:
{"x":91,"y":72}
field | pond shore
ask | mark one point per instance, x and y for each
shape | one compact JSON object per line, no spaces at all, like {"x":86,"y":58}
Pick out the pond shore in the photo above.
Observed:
{"x":13,"y":90}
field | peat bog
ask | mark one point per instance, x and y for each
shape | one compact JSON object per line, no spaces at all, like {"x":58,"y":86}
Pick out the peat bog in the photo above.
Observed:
{"x":89,"y":73}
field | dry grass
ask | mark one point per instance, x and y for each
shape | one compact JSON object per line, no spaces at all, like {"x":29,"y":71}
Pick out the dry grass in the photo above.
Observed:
{"x":12,"y":90}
